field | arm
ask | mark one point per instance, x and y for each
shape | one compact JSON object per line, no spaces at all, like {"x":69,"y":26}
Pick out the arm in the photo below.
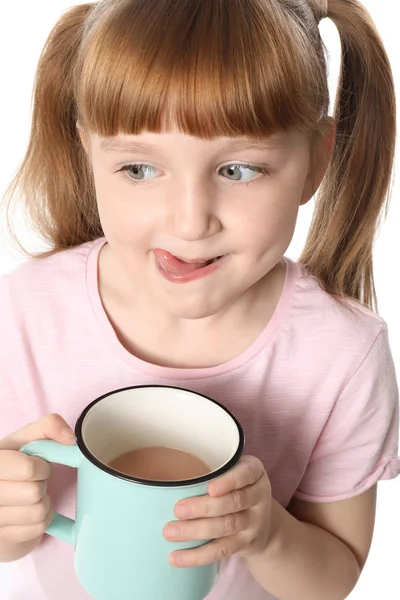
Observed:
{"x":312,"y":551}
{"x":316,"y":550}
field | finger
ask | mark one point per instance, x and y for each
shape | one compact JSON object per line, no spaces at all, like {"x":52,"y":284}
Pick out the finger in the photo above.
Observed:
{"x":247,"y":472}
{"x":18,"y":534}
{"x":16,"y":466}
{"x":50,"y":427}
{"x":16,"y":493}
{"x":208,"y":553}
{"x":207,"y":506}
{"x":25,"y":515}
{"x":206,"y":529}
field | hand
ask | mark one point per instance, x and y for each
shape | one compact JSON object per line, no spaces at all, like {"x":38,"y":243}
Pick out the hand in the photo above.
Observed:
{"x":236,"y":515}
{"x":25,"y":507}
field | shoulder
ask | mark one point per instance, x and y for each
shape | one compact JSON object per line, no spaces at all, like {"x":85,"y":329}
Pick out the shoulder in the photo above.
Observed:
{"x":329,"y":323}
{"x":39,"y":278}
{"x":43,"y":291}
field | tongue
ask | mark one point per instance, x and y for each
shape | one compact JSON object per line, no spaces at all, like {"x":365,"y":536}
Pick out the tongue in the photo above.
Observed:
{"x":169,"y":263}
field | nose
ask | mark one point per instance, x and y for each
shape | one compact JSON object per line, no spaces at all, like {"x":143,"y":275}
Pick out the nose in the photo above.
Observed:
{"x":192,"y":212}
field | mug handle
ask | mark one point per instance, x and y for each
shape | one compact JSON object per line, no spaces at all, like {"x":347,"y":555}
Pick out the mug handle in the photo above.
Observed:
{"x":61,"y":527}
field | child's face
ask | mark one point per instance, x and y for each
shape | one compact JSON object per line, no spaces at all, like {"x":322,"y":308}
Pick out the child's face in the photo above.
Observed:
{"x":188,"y":202}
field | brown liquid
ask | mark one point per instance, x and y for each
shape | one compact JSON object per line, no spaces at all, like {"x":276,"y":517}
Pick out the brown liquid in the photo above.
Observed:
{"x":160,"y":463}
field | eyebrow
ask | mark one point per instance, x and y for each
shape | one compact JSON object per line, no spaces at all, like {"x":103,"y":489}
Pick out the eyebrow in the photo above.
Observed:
{"x":113,"y":145}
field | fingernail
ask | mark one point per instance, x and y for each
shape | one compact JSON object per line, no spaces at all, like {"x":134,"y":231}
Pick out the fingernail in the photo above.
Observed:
{"x":215,"y":488}
{"x":68,"y":433}
{"x":177,"y":560}
{"x":171,"y":532}
{"x":183,"y":510}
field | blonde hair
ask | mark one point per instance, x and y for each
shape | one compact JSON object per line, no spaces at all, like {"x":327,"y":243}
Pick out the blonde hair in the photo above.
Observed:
{"x":216,"y":68}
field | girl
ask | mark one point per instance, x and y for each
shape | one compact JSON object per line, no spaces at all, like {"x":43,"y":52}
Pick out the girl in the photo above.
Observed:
{"x":172,"y":144}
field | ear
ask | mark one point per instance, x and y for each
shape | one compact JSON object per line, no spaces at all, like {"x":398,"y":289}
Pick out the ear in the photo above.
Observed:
{"x":83,"y":136}
{"x":322,"y":152}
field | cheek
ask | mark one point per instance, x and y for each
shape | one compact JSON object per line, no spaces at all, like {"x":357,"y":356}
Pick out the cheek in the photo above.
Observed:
{"x":107,"y":197}
{"x":282,"y":222}
{"x":270,"y":224}
{"x":120,"y":212}
{"x":114,"y":221}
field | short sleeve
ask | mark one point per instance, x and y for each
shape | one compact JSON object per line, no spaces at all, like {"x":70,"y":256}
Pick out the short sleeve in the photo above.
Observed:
{"x":359,"y":443}
{"x":12,"y":359}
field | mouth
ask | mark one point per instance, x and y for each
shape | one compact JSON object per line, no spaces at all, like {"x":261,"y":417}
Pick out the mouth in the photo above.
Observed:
{"x":201,"y":262}
{"x":183,"y":269}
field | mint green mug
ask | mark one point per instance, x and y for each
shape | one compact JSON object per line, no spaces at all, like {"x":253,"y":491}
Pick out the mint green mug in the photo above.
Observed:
{"x":120,"y":552}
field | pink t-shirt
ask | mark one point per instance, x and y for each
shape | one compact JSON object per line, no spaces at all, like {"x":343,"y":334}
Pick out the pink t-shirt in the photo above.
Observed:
{"x":316,"y":394}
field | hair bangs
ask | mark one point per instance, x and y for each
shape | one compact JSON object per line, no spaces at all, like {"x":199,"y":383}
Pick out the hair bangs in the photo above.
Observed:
{"x":210,"y":68}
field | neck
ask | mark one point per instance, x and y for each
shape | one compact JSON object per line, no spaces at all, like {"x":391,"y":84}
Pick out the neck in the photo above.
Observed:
{"x":154,"y":335}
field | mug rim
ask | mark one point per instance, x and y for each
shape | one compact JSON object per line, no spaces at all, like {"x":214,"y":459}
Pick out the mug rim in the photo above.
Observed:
{"x":149,"y":482}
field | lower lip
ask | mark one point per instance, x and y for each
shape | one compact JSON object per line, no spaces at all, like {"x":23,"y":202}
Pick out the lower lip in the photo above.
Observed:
{"x":197,"y":274}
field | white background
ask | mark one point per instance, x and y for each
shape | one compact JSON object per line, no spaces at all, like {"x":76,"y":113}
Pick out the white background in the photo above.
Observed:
{"x":23,"y":29}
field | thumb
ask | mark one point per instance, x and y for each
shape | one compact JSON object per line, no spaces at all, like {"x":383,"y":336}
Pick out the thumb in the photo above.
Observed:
{"x":51,"y":427}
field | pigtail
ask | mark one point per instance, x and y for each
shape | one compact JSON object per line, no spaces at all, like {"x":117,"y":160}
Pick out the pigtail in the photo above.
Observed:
{"x":55,"y":180}
{"x":355,"y":192}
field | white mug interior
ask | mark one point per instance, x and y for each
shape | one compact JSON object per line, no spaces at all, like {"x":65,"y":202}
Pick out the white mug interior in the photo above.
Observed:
{"x":160,"y":416}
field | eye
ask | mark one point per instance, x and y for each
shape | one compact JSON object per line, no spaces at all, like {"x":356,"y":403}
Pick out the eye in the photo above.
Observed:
{"x":137,"y":173}
{"x":243,"y":172}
